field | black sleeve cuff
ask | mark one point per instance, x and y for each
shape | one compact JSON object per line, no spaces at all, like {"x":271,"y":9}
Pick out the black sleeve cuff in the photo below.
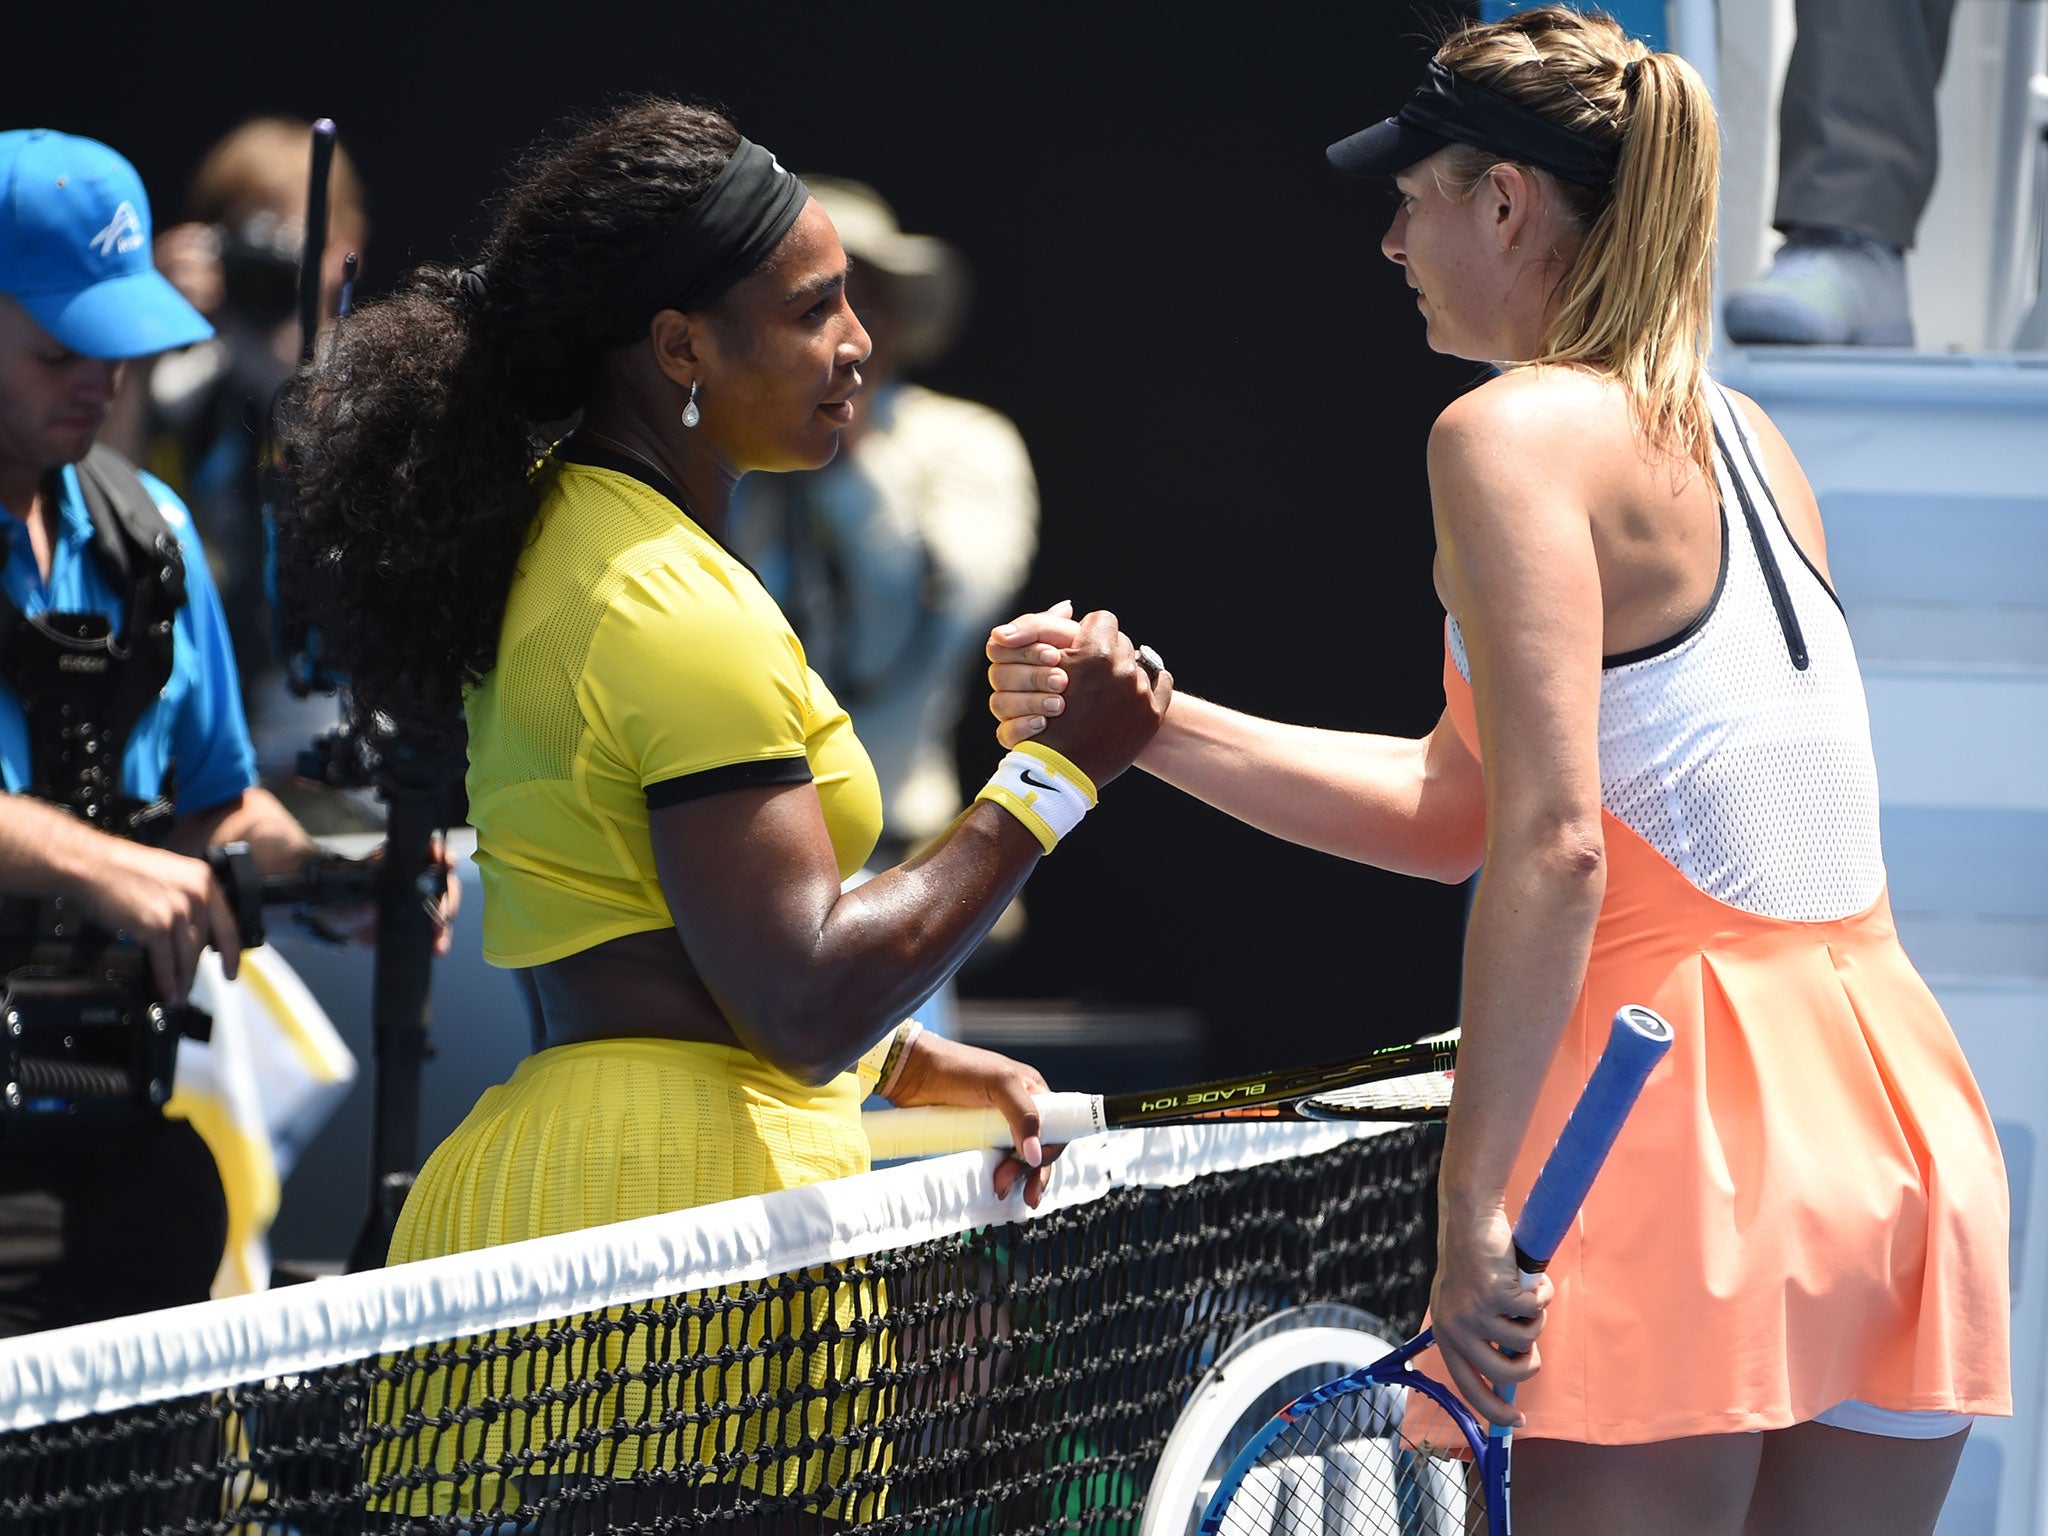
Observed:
{"x":716,"y":781}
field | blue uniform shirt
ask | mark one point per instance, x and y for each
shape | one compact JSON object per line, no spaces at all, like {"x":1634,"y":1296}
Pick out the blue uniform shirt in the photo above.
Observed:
{"x":197,"y":720}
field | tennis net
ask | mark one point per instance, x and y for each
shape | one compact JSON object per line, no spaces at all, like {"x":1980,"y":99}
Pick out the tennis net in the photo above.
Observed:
{"x":897,"y":1352}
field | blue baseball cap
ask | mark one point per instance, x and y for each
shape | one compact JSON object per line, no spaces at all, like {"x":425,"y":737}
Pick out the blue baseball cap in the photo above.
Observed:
{"x":75,"y":252}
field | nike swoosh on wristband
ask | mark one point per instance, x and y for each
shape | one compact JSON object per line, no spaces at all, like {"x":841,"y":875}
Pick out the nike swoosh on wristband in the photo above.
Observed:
{"x":1025,"y":774}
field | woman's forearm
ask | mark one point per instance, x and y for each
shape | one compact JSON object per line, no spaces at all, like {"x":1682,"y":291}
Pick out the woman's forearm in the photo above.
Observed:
{"x":807,"y":975}
{"x":1526,"y":947}
{"x":893,"y":940}
{"x":1413,"y":806}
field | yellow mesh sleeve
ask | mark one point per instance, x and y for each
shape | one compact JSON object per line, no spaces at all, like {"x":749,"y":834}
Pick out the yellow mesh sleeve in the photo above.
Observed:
{"x":691,"y":671}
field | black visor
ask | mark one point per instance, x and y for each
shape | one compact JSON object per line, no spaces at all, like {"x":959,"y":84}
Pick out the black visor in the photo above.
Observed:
{"x":1447,"y":107}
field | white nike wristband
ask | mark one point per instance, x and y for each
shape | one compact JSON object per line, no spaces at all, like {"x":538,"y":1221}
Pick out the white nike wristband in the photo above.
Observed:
{"x":1041,"y":789}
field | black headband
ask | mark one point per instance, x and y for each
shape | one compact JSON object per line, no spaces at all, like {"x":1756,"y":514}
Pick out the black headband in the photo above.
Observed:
{"x":1448,"y":107}
{"x":727,"y":233}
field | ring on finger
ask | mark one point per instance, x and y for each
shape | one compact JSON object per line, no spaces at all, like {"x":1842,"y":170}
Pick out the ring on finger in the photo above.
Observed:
{"x":1149,"y":660}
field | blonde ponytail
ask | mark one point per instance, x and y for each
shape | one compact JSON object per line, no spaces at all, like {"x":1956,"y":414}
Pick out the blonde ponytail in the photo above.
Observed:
{"x":1635,"y":299}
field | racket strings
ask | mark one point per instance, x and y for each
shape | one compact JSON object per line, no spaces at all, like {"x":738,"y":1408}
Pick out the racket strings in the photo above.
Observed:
{"x":1424,"y":1093}
{"x":1342,"y":1468}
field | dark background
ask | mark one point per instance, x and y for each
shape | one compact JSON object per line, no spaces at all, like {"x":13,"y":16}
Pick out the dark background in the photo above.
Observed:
{"x":1223,"y":384}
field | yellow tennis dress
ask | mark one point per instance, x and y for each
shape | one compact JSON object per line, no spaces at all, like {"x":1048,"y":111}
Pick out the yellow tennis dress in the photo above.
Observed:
{"x":640,"y":665}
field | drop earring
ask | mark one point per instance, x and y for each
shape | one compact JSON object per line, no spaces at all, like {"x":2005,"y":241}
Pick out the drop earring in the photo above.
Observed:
{"x":691,"y":415}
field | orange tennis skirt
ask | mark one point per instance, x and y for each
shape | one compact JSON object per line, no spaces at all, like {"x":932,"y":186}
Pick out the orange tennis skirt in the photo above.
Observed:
{"x":1808,"y":1204}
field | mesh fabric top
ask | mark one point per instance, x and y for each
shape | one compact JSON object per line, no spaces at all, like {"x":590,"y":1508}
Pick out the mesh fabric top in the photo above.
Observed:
{"x":639,"y":663}
{"x":1751,"y":774}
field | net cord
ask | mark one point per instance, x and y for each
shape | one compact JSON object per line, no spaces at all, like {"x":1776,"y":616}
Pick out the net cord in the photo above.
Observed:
{"x":68,"y":1373}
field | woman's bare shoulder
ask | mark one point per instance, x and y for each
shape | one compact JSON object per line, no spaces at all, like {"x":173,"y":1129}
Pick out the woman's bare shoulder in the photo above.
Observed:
{"x":1534,"y":420}
{"x":1769,"y":438}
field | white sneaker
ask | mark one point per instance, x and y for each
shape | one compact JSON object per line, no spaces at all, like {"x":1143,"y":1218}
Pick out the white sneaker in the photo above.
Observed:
{"x":1827,"y":287}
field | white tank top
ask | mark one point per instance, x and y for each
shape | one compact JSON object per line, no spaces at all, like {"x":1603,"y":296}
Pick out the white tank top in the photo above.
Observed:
{"x":1739,"y":748}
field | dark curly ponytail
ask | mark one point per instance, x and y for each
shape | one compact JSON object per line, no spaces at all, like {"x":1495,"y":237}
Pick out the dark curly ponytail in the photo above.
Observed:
{"x":408,"y":450}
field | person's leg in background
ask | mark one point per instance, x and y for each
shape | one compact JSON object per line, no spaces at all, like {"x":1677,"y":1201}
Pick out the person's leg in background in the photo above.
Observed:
{"x":1857,"y":159}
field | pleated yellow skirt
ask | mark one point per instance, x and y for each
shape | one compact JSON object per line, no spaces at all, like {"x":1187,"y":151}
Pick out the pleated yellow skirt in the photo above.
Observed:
{"x":606,"y":1131}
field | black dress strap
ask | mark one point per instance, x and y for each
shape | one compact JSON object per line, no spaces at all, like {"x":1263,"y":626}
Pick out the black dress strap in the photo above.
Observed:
{"x":1766,"y":556}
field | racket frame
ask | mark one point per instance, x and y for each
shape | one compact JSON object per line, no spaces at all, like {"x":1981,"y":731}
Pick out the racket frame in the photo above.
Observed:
{"x":935,"y":1130}
{"x":1278,"y":1095}
{"x":1489,"y":1455}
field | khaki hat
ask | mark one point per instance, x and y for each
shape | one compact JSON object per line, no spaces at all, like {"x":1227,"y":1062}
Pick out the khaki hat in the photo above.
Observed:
{"x":928,"y":277}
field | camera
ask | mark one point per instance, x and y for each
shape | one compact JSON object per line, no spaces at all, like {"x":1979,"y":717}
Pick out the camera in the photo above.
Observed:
{"x":86,"y":1045}
{"x":259,"y":262}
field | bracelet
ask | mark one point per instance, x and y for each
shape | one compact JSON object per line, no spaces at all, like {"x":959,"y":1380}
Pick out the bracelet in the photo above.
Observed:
{"x":1043,"y":790}
{"x":898,"y":1057}
{"x":882,"y":1062}
{"x":874,"y":1061}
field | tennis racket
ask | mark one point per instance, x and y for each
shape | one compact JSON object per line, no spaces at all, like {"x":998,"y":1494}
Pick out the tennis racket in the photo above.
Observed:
{"x":1358,"y":1456}
{"x":1395,"y":1082}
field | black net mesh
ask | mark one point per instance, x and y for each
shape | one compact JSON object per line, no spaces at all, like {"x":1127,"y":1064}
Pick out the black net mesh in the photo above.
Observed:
{"x":1013,"y":1379}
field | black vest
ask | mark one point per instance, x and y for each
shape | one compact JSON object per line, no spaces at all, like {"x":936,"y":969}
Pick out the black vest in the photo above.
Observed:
{"x":82,"y":684}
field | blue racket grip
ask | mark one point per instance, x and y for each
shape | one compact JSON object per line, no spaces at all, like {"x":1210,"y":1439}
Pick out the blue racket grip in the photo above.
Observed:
{"x":1637,"y":1043}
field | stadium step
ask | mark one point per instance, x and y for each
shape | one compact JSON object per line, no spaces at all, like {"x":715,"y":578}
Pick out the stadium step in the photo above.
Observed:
{"x":1928,"y":472}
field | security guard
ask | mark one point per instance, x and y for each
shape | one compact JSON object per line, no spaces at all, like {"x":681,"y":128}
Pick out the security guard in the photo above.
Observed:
{"x":125,"y":756}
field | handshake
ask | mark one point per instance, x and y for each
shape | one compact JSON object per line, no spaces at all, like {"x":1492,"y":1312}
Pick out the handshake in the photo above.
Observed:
{"x":1079,"y":687}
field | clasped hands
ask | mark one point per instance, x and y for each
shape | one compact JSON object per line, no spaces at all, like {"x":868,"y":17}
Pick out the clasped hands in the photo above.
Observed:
{"x":1077,"y":686}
